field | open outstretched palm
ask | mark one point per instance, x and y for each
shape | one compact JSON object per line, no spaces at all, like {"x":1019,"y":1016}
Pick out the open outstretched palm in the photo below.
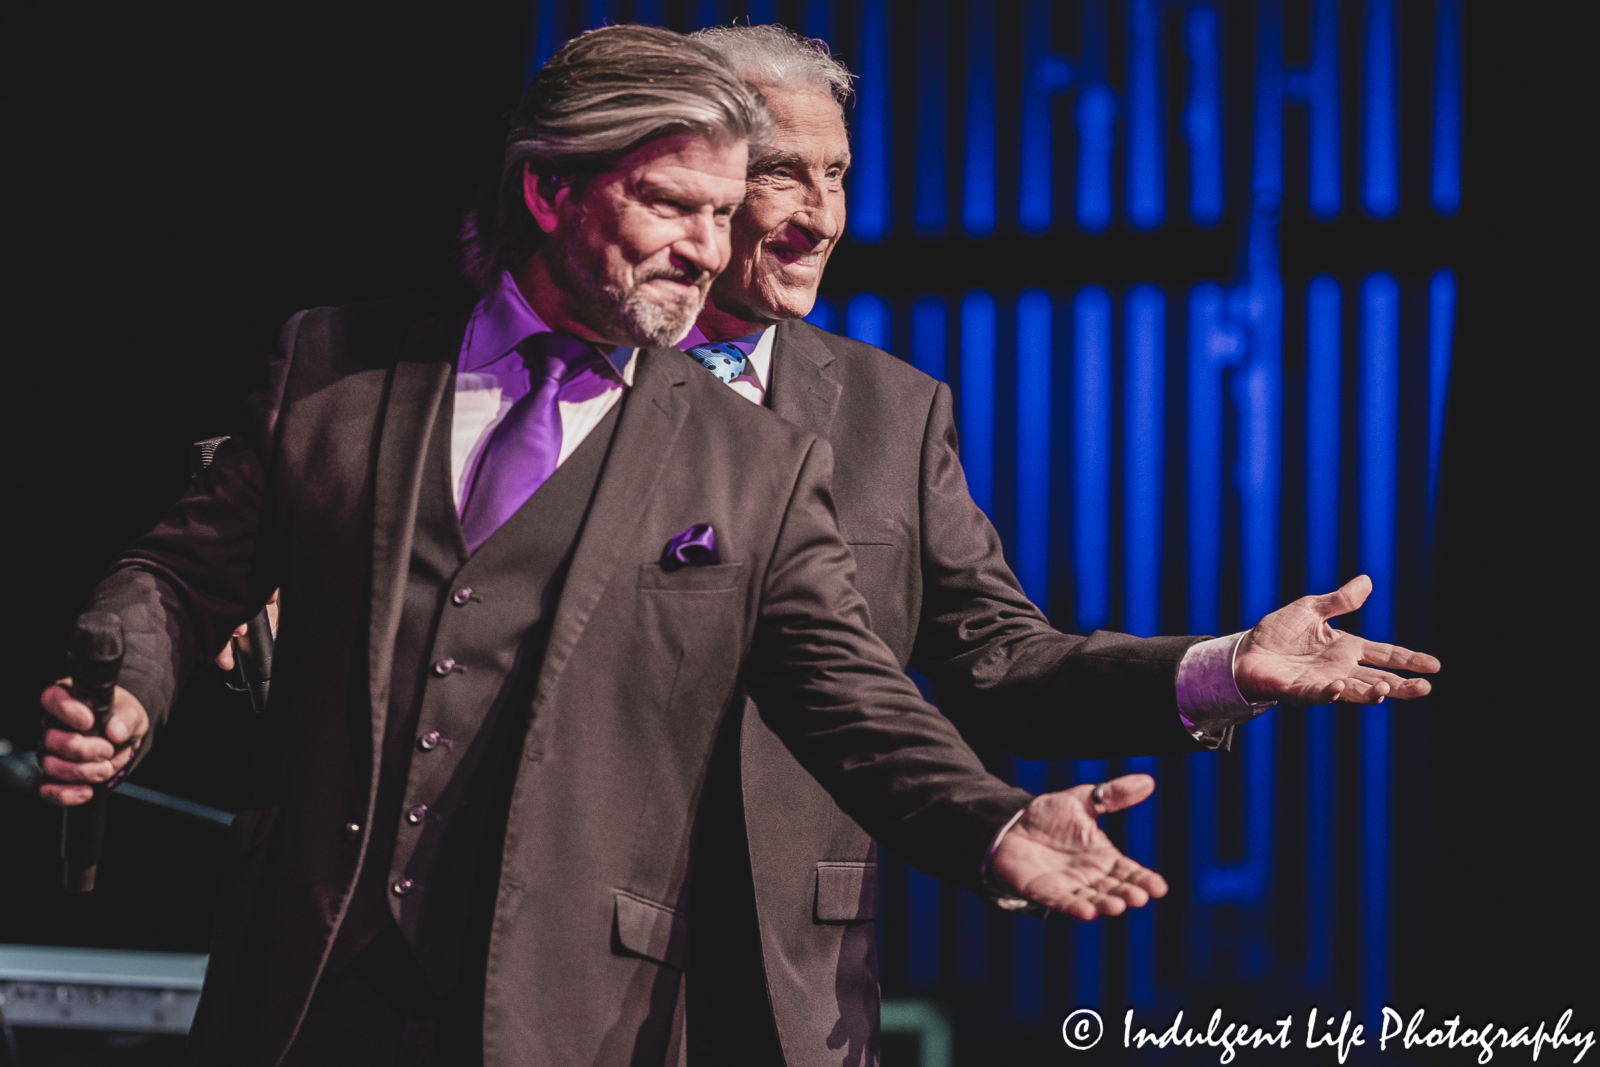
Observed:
{"x":1058,"y":856}
{"x":1294,"y":656}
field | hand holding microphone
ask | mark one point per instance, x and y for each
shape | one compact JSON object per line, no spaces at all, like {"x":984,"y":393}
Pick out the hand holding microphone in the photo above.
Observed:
{"x":101,"y":727}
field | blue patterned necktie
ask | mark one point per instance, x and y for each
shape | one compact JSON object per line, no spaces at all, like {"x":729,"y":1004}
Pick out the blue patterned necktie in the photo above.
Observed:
{"x":721,"y":358}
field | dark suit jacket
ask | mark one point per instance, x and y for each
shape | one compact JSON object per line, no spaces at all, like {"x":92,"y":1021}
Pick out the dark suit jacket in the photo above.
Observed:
{"x":643,"y":669}
{"x":942,"y":597}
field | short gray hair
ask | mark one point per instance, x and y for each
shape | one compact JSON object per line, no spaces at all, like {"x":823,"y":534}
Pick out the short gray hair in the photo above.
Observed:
{"x":776,"y":56}
{"x":602,"y":95}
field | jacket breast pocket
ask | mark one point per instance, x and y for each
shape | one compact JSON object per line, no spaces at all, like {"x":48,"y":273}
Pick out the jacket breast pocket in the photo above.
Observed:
{"x":714,"y":578}
{"x":846,"y":892}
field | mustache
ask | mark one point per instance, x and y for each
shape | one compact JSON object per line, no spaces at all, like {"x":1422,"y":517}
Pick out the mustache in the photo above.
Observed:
{"x":688,"y":272}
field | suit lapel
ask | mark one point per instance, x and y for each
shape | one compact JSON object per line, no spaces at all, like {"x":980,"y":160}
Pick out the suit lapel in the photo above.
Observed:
{"x":652,"y":416}
{"x":804,"y":391}
{"x":416,"y":388}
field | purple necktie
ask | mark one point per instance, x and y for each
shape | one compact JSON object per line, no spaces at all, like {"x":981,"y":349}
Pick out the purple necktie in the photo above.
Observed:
{"x":522,"y":452}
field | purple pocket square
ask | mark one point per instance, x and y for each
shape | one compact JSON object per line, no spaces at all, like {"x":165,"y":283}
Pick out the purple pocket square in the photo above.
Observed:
{"x":694,"y":547}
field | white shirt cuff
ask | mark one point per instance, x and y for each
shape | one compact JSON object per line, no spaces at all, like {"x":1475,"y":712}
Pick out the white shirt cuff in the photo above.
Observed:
{"x":1209,"y":700}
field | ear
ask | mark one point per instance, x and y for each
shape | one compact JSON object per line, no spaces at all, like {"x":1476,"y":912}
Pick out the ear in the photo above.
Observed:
{"x":543,"y":195}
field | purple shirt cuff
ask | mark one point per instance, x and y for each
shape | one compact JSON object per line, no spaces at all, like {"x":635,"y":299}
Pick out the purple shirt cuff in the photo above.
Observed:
{"x":1209,"y":700}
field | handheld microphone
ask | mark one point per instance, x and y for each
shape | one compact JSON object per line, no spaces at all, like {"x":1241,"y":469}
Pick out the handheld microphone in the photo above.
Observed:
{"x":255,"y":662}
{"x":96,"y":655}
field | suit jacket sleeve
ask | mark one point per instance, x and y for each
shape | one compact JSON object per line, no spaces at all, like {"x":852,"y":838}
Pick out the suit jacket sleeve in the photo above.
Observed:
{"x":182,"y":588}
{"x":996,"y":659}
{"x":831,"y":689}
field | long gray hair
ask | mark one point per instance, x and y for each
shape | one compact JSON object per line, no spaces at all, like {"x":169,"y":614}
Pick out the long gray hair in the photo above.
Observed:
{"x":602,"y":95}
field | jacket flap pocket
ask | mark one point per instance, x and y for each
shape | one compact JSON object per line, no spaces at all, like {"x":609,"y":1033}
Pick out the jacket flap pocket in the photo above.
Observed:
{"x":707,"y":579}
{"x":653,"y":930}
{"x":847,"y":892}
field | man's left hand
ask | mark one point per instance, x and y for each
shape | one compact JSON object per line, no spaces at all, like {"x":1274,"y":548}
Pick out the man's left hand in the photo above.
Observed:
{"x":1294,"y":656}
{"x":1058,"y":856}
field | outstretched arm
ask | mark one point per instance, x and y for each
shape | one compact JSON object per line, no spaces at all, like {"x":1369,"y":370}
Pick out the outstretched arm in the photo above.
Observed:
{"x":1295,"y":656}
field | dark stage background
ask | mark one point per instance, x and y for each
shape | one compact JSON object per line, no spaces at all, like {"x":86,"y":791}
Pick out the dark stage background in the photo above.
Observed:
{"x":1227,"y":322}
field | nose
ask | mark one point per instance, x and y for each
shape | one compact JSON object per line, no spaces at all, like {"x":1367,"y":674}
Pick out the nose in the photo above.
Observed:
{"x":821,"y":216}
{"x":704,"y":242}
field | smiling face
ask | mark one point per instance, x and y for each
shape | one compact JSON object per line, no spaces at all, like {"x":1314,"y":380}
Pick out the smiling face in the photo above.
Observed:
{"x":632,"y":252}
{"x":792,"y":217}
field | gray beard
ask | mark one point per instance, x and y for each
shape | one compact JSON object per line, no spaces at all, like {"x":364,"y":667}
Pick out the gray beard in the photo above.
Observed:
{"x":626,"y":314}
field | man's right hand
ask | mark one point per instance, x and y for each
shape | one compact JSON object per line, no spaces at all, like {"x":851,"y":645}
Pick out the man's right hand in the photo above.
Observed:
{"x":72,"y":758}
{"x":241,"y":633}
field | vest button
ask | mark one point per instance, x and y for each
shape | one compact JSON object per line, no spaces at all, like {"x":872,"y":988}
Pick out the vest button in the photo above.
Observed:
{"x":351,"y":832}
{"x":461,"y":596}
{"x":402,"y":887}
{"x":444,"y":666}
{"x":415,"y":815}
{"x":428,"y":741}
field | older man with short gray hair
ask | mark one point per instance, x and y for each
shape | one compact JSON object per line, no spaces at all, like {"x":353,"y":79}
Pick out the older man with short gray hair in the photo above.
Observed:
{"x":932,"y":569}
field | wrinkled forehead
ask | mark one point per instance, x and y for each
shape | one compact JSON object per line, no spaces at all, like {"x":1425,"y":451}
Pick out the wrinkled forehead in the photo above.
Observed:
{"x":809,"y":130}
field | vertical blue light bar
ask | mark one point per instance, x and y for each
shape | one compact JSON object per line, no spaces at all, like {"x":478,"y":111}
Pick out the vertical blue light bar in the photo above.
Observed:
{"x":1044,"y":75}
{"x":1097,"y":121}
{"x":1266,"y":155}
{"x":1034,"y":358}
{"x":1324,"y":378}
{"x":1091,"y":456}
{"x":649,"y":12}
{"x":1144,"y":373}
{"x":1204,"y":456}
{"x":759,"y":12}
{"x":1147,"y":164}
{"x":542,"y":41}
{"x":1380,"y":119}
{"x":869,"y":192}
{"x":819,"y":19}
{"x":978,"y":170}
{"x":977,"y":395}
{"x":1202,"y":114}
{"x":866,"y":319}
{"x":933,"y":62}
{"x":928,"y":336}
{"x":1144,"y":392}
{"x":922,"y":920}
{"x":597,"y":13}
{"x":1447,"y":107}
{"x":1325,"y":177}
{"x":1441,"y":340}
{"x":1379,"y":403}
{"x":823,"y":314}
{"x":1323,"y":385}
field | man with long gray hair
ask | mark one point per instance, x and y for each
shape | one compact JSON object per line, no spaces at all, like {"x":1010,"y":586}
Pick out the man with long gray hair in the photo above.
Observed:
{"x":531,"y":560}
{"x":932,"y":570}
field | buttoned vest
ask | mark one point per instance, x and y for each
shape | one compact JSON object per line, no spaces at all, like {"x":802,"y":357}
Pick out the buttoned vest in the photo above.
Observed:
{"x":467,"y":655}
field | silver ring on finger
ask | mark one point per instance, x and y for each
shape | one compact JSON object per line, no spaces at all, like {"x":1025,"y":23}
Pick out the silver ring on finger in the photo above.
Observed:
{"x":1099,"y":798}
